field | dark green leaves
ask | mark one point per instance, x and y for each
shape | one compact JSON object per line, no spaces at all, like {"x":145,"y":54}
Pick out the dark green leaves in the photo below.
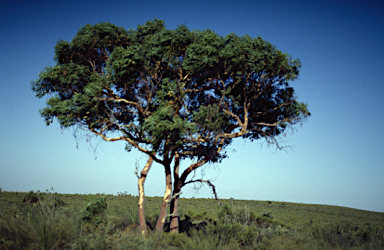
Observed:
{"x":210,"y":118}
{"x":171,"y":90}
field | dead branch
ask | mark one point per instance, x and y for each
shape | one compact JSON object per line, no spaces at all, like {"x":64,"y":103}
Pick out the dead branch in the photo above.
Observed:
{"x":209,"y":183}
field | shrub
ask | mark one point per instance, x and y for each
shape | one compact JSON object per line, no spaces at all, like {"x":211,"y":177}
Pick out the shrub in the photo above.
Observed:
{"x":132,"y":214}
{"x":31,"y":197}
{"x":57,"y":202}
{"x":267,"y":214}
{"x":151,"y":220}
{"x":95,"y":211}
{"x":128,"y":219}
{"x":236,"y":214}
{"x":236,"y":224}
{"x":37,"y":227}
{"x":346,"y":235}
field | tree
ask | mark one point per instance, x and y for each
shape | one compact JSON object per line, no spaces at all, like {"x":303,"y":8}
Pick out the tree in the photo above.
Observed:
{"x":171,"y":94}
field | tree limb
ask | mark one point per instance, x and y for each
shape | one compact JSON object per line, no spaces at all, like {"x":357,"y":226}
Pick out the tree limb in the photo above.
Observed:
{"x":205,"y":181}
{"x":130,"y":141}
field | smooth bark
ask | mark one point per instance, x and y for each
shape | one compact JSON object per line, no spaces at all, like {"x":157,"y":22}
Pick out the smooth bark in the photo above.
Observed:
{"x":167,"y":195}
{"x":143,"y":176}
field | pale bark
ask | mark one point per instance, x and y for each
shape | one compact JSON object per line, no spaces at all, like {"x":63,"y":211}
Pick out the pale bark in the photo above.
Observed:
{"x":143,"y":176}
{"x":167,"y":195}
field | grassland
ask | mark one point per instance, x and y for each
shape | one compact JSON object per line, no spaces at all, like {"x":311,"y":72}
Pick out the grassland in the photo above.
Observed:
{"x":66,"y":221}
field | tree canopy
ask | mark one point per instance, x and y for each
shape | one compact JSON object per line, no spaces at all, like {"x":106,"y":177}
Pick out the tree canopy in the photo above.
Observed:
{"x":172,"y":94}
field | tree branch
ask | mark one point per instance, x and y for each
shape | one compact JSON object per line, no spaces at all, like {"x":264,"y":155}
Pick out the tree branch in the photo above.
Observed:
{"x":130,"y":141}
{"x":208,"y":182}
{"x":208,"y":157}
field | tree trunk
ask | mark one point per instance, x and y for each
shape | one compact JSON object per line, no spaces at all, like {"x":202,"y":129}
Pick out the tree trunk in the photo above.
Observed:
{"x":167,"y":195}
{"x":174,"y":225}
{"x":143,"y":176}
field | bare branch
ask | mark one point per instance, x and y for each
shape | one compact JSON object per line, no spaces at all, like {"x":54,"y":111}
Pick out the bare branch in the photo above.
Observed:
{"x":207,"y":158}
{"x":205,"y":181}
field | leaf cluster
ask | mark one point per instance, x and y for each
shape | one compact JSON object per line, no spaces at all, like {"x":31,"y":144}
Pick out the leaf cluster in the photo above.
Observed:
{"x":171,"y":91}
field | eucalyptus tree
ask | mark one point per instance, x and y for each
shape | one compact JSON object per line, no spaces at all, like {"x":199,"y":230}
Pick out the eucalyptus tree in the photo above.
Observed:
{"x":171,"y":94}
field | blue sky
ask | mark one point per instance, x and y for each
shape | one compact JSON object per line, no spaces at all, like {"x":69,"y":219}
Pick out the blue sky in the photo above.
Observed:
{"x":336,"y":157}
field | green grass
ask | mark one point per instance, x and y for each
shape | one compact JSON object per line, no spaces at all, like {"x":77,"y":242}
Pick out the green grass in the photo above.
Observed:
{"x":58,"y":221}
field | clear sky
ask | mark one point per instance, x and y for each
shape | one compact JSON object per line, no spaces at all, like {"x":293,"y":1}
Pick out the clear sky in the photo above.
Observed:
{"x":336,"y":157}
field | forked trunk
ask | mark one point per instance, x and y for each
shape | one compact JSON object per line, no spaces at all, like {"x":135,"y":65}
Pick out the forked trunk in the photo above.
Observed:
{"x":164,"y":204}
{"x":143,"y":176}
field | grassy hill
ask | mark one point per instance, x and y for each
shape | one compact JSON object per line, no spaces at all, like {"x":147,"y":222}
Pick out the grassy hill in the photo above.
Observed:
{"x":71,"y":221}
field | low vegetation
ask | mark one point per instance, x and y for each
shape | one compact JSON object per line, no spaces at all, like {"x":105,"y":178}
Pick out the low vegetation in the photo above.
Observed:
{"x":47,"y":220}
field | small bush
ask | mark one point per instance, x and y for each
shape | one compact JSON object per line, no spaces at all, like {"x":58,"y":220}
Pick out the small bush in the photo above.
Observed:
{"x":128,"y":219}
{"x":235,"y":214}
{"x":240,"y":225}
{"x":31,"y":197}
{"x":58,"y":202}
{"x":267,"y":214}
{"x":95,"y":211}
{"x":132,"y":214}
{"x":151,"y":220}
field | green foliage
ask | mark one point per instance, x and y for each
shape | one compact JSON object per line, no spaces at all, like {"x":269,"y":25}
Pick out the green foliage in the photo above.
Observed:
{"x":95,"y":211}
{"x":171,"y":93}
{"x":347,"y":235}
{"x":37,"y":230}
{"x":128,"y":214}
{"x":133,"y":215}
{"x":53,"y":199}
{"x":151,"y":219}
{"x":58,"y":202}
{"x":242,"y":226}
{"x":267,"y":214}
{"x":161,"y":89}
{"x":31,"y":197}
{"x":42,"y":225}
